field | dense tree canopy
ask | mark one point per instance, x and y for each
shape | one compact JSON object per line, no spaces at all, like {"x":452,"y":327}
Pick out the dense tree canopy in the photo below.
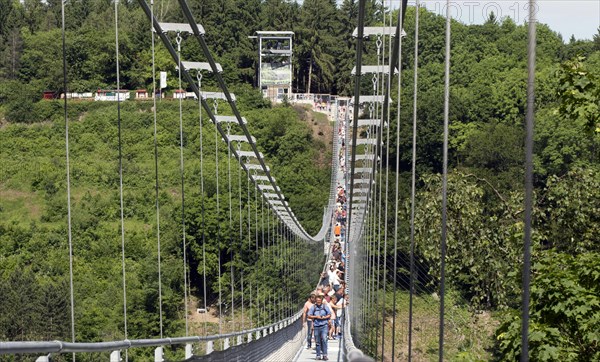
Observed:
{"x":485,"y":211}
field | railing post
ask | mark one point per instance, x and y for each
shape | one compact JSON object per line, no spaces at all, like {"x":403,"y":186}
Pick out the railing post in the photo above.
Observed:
{"x":115,"y":356}
{"x":226,"y":344}
{"x":43,"y":359}
{"x":209,"y":347}
{"x":188,"y":351}
{"x":158,"y":354}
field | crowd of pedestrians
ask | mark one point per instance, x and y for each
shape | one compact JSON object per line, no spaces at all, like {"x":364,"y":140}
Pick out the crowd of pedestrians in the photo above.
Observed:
{"x":324,"y":308}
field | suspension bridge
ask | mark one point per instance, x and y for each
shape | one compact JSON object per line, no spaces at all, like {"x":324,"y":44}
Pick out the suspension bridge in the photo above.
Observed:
{"x":274,"y":328}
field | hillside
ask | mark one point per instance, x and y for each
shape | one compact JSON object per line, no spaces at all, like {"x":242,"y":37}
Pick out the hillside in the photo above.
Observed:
{"x":485,"y":163}
{"x":33,"y":204}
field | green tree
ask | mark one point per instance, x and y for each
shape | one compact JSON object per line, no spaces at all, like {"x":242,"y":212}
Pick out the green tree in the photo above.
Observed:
{"x":564,"y":311}
{"x":316,"y":41}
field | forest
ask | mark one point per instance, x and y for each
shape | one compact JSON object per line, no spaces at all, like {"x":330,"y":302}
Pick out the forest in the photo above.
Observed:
{"x":485,"y":183}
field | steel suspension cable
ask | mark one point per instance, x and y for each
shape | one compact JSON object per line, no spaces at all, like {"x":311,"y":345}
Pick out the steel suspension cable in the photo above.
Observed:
{"x":413,"y":184}
{"x":249,"y":250}
{"x":68,"y":171}
{"x":202,"y":196}
{"x":398,"y":55}
{"x":182,"y":172}
{"x":215,"y":104}
{"x":120,"y":171}
{"x":231,"y":260}
{"x":444,"y":184}
{"x":156,"y":179}
{"x":387,"y":117}
{"x":257,"y":299}
{"x":241,"y":236}
{"x":359,"y":42}
{"x":376,"y":193}
{"x":262,"y":229}
{"x":280,"y":257}
{"x":382,"y":126}
{"x":267,"y":251}
{"x":530,"y":119}
{"x":272,"y":253}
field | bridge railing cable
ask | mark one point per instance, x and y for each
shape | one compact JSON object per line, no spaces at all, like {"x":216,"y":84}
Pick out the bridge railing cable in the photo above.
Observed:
{"x":78,"y":347}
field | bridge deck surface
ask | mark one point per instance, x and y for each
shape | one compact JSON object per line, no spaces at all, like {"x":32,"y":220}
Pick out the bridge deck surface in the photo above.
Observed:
{"x":333,"y":349}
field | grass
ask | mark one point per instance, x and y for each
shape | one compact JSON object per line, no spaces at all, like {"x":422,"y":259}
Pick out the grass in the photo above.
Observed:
{"x":467,"y":336}
{"x":19,"y":207}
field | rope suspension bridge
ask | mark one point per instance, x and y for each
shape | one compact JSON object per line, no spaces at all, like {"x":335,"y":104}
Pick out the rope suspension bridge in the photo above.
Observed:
{"x":355,"y":232}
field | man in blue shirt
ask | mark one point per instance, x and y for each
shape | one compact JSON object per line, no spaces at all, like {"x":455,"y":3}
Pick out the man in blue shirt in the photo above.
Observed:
{"x":320,"y":314}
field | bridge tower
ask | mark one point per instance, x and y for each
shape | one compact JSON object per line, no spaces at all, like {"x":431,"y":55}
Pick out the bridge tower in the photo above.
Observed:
{"x":275,"y":63}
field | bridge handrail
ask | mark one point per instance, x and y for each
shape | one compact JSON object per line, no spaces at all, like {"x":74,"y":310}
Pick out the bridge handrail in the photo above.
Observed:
{"x":351,"y":352}
{"x":70,"y":347}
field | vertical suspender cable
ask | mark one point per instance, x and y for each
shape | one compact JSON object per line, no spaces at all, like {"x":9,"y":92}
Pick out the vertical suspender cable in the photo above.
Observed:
{"x":69,"y":229}
{"x":444,"y":184}
{"x":528,"y":179}
{"x":387,"y":117}
{"x":387,"y":173}
{"x":218,"y":219}
{"x":156,"y":184}
{"x":263,"y":266}
{"x":249,"y":249}
{"x":182,"y":171}
{"x":270,"y":259}
{"x":376,"y":196}
{"x":398,"y":56}
{"x":413,"y":185}
{"x":231,"y":261}
{"x":202,"y":210}
{"x":387,"y":176}
{"x":267,"y":251}
{"x":120,"y":171}
{"x":287,"y":273}
{"x":359,"y":41}
{"x":257,"y":298}
{"x":241,"y":237}
{"x":278,"y":258}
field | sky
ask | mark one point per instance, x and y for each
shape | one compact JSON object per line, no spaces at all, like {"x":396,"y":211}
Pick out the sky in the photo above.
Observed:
{"x":580,"y":18}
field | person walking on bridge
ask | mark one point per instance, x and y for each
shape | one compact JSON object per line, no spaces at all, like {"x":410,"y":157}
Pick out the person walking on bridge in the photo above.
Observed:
{"x":320,"y":313}
{"x":309,"y":323}
{"x":337,"y":230}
